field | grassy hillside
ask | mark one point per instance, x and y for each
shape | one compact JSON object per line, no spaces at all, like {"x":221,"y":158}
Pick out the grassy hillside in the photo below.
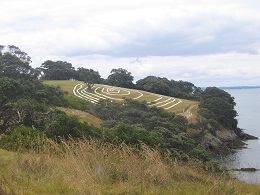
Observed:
{"x":83,"y":116}
{"x":89,"y":167}
{"x":66,"y":86}
{"x":78,"y":89}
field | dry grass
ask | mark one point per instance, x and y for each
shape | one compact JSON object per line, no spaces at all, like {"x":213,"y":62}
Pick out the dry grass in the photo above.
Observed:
{"x":90,"y":167}
{"x":83,"y":116}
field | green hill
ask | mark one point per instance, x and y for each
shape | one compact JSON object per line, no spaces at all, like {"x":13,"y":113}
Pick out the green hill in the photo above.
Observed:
{"x":180,"y":106}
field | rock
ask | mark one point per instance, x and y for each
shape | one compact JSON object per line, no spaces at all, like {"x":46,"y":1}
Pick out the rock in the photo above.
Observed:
{"x":225,"y":141}
{"x":215,"y":145}
{"x":242,"y":135}
{"x":247,"y":169}
{"x":225,"y":135}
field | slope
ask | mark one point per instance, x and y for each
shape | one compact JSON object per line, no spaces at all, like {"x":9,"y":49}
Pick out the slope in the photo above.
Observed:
{"x":179,"y":106}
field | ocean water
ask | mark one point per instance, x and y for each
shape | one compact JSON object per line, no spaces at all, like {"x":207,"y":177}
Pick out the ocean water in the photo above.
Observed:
{"x":248,"y":108}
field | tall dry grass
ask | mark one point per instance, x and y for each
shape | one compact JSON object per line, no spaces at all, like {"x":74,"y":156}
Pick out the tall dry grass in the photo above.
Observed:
{"x":92,"y":167}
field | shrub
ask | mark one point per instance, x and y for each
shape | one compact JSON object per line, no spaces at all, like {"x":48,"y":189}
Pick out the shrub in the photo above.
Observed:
{"x":22,"y":138}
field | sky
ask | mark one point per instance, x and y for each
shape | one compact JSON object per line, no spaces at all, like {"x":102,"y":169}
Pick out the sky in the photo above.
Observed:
{"x":206,"y":42}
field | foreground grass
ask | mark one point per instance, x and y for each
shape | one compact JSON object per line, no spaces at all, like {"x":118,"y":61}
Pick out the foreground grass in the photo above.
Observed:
{"x":89,"y":167}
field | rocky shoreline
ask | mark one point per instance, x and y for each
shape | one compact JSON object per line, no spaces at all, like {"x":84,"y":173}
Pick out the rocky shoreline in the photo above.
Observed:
{"x":226,"y":141}
{"x":244,"y":136}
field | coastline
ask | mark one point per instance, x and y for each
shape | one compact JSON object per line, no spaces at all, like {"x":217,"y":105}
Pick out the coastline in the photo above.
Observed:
{"x":227,"y":142}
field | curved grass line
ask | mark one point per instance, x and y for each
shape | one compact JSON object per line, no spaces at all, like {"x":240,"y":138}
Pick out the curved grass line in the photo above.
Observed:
{"x":158,"y":99}
{"x":167,"y":103}
{"x":105,"y":95}
{"x":98,"y":97}
{"x":78,"y":94}
{"x":118,"y":93}
{"x":173,"y":105}
{"x":136,"y":91}
{"x":83,"y":94}
{"x":89,"y":95}
{"x":163,"y":101}
{"x":123,"y":89}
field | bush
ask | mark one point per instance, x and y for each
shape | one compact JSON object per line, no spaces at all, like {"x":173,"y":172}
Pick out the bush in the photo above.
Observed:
{"x":131,"y":134}
{"x":59,"y":124}
{"x":22,"y":138}
{"x":76,"y":103}
{"x":200,"y":153}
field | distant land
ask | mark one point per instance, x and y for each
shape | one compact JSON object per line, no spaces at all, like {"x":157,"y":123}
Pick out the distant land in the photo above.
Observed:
{"x":240,"y":87}
{"x":235,"y":87}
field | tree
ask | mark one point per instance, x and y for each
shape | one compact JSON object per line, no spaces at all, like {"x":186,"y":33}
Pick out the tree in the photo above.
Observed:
{"x":89,"y":76}
{"x":15,"y":51}
{"x":15,"y":64}
{"x":1,"y":49}
{"x":131,"y":134}
{"x":58,"y":70}
{"x":10,"y":91}
{"x":21,"y":91}
{"x":20,"y":99}
{"x":14,"y":67}
{"x":59,"y":125}
{"x":121,"y":78}
{"x":163,"y":86}
{"x":154,"y":84}
{"x":23,"y":138}
{"x":218,"y":105}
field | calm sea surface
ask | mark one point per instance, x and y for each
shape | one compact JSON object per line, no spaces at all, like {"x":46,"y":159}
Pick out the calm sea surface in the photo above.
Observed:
{"x":248,"y":108}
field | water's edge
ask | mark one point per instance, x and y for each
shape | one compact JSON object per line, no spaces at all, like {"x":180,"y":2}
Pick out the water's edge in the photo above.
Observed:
{"x":248,"y":107}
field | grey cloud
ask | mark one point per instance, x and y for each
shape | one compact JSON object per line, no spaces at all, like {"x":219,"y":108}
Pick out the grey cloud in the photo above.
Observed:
{"x":178,"y":39}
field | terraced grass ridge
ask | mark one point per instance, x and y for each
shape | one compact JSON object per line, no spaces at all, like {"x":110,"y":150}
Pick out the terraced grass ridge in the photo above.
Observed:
{"x":183,"y":107}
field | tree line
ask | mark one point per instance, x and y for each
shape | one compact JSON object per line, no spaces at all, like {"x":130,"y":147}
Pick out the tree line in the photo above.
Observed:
{"x":62,"y":70}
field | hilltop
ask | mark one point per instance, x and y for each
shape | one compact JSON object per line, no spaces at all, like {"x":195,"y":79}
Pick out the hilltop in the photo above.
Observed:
{"x":180,"y":106}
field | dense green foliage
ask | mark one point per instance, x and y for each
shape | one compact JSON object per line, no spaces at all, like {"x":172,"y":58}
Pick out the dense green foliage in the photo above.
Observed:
{"x":16,"y":64}
{"x":155,"y":126}
{"x":23,"y":98}
{"x":130,"y":134}
{"x":89,"y":76}
{"x":120,"y":78}
{"x":58,"y":70}
{"x":59,"y":125}
{"x":218,"y":105}
{"x":74,"y":102}
{"x":163,"y":86}
{"x":23,"y":138}
{"x":135,"y":112}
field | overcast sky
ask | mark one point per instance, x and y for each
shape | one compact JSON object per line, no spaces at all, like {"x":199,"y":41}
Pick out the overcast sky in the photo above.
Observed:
{"x":207,"y":42}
